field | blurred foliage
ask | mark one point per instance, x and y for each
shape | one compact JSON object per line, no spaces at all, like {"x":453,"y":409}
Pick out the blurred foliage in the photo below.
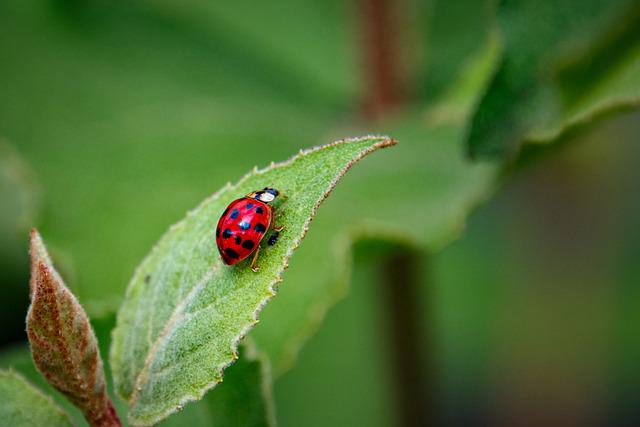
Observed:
{"x":498,"y":314}
{"x":551,"y":300}
{"x":564,"y":63}
{"x":18,"y":193}
{"x":21,"y":404}
{"x":132,"y":112}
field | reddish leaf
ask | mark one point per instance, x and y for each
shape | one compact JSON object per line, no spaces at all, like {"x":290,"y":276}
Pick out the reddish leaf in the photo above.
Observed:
{"x":63,"y":345}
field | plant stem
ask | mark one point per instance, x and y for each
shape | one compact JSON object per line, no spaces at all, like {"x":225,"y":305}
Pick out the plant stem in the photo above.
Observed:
{"x":401,"y":285}
{"x":381,"y":62}
{"x":106,"y":417}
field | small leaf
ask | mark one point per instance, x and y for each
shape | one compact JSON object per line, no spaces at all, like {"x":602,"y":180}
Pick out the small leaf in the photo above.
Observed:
{"x":63,"y":345}
{"x":565,"y":63}
{"x":22,"y":404}
{"x":185,"y":311}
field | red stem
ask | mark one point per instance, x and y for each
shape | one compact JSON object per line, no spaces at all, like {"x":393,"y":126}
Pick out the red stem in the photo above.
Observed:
{"x":383,"y":87}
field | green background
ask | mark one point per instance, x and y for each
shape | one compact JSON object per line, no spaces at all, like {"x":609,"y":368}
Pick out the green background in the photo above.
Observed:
{"x":118,"y":117}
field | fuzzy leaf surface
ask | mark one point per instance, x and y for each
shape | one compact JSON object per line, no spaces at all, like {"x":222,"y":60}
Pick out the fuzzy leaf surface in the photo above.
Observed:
{"x":244,"y":399}
{"x":185,"y":312}
{"x":21,"y":404}
{"x":63,"y":344}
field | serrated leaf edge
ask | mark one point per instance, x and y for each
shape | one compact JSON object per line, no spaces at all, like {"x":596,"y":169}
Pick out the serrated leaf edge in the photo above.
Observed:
{"x":344,"y":245}
{"x":340,"y":287}
{"x":383,"y":142}
{"x":252,"y":353}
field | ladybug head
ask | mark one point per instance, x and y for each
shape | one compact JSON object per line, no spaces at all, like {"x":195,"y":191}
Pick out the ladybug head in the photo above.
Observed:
{"x":265,"y":195}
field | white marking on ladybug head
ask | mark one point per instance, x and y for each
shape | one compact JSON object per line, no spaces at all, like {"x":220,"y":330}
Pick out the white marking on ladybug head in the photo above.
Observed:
{"x":267,"y":197}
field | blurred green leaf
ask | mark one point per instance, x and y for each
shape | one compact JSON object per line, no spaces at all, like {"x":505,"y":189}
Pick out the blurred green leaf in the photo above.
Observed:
{"x":18,"y":358}
{"x":18,"y":206}
{"x":18,"y":195}
{"x":346,"y":364}
{"x":261,"y":33}
{"x":564,"y":63}
{"x":185,"y":312}
{"x":63,"y":344}
{"x":456,"y":30}
{"x":21,"y":404}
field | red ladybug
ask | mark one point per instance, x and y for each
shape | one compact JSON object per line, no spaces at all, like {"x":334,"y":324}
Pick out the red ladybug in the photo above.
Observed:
{"x":244,"y":224}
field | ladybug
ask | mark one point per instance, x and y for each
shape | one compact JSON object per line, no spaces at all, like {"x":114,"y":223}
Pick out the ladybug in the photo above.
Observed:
{"x":244,"y":224}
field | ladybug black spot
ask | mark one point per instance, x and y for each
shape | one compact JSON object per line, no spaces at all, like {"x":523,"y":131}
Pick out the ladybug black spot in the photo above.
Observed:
{"x":248,"y":244}
{"x":259,"y":210}
{"x":234,"y":214}
{"x":249,"y":205}
{"x":227,"y":233}
{"x":231,"y":253}
{"x":260,"y":228}
{"x":217,"y":231}
{"x":244,"y":225}
{"x":238,"y":239}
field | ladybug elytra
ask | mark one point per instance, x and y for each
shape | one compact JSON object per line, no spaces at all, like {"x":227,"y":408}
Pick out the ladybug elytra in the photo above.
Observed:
{"x":244,"y":224}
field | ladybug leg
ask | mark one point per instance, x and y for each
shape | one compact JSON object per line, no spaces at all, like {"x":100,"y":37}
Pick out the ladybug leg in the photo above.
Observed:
{"x":254,"y":267}
{"x":274,"y":237}
{"x":276,"y":228}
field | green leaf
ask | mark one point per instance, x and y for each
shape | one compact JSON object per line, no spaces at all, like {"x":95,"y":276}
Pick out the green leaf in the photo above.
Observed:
{"x":22,"y":405}
{"x":199,"y":70}
{"x":297,"y":65}
{"x":456,"y":30}
{"x":165,"y":131}
{"x":243,"y":399}
{"x":565,"y":63}
{"x":18,"y":358}
{"x":185,"y":312}
{"x":63,"y":344}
